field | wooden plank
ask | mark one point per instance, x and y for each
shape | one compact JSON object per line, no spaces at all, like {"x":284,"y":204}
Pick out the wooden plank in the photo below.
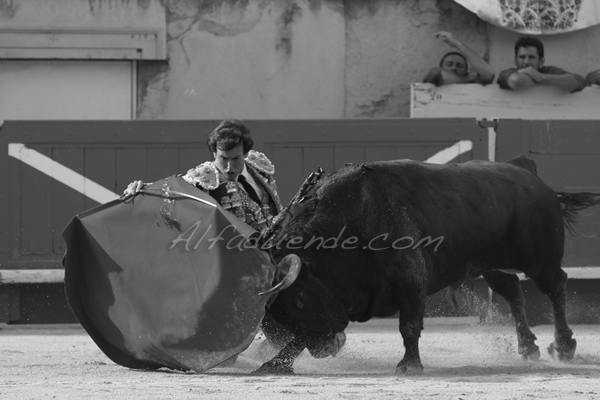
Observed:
{"x":416,"y":151}
{"x":433,"y":149}
{"x":107,"y":133}
{"x":6,"y":174}
{"x":160,"y":161}
{"x":509,"y":140}
{"x":31,"y":276}
{"x":35,"y":210}
{"x":315,"y":157}
{"x":189,"y":157}
{"x":115,"y":153}
{"x":572,"y":272}
{"x":348,"y":154}
{"x":131,"y":165}
{"x":569,"y":172}
{"x":582,"y":250}
{"x":373,"y":131}
{"x":564,"y":137}
{"x":583,"y":272}
{"x":4,"y":304}
{"x":288,"y":163}
{"x":100,"y":167}
{"x":58,"y":275}
{"x":13,"y":249}
{"x":380,"y":153}
{"x":14,"y":303}
{"x":66,"y":202}
{"x":474,"y":100}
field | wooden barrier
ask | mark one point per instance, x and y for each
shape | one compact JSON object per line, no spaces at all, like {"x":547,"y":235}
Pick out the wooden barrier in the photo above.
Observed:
{"x":55,"y":169}
{"x":477,"y":101}
{"x":31,"y":276}
{"x":8,"y":276}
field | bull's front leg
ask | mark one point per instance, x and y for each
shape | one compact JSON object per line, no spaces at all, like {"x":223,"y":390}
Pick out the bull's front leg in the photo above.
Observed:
{"x":412,"y":309}
{"x":282,"y":363}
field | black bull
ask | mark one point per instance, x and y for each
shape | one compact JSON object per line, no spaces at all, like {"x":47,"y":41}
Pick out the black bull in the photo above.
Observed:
{"x":375,"y":239}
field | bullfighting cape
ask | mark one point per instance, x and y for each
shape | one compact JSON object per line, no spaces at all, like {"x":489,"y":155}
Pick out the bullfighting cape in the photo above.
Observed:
{"x":167,"y":278}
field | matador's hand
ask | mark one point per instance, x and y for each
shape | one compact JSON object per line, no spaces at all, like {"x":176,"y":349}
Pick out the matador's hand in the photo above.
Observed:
{"x":134,"y":188}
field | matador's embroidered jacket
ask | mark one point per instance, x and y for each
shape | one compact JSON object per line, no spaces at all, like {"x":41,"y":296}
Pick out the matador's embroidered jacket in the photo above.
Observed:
{"x":210,"y":179}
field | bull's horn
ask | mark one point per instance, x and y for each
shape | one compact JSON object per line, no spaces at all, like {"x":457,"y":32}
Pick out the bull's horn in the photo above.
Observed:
{"x":291,"y":266}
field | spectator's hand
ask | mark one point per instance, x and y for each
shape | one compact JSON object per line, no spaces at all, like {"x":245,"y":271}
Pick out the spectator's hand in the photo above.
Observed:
{"x":472,"y":76}
{"x":448,"y":38}
{"x":134,"y":188}
{"x":533,"y":73}
{"x":593,"y":78}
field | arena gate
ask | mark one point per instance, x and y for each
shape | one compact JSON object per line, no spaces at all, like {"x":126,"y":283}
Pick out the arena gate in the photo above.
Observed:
{"x":52,"y":170}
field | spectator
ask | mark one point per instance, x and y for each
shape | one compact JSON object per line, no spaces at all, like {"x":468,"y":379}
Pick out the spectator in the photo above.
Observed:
{"x":530,"y":70}
{"x":454,"y":66}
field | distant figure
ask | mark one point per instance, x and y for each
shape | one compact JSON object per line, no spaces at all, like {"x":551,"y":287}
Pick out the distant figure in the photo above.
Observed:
{"x":593,"y":78}
{"x":530,"y":70}
{"x":454,"y":66}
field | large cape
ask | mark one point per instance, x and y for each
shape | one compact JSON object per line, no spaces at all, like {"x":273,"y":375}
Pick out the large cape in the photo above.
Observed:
{"x":167,"y":278}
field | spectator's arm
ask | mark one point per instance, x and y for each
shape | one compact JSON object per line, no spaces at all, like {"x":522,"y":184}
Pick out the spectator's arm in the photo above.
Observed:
{"x":520,"y":81}
{"x":593,"y":78}
{"x":556,"y":77}
{"x":569,"y":82}
{"x":477,"y":63}
{"x":511,"y":79}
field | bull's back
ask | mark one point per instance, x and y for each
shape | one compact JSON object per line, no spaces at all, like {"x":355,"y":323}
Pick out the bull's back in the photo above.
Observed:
{"x":476,"y":207}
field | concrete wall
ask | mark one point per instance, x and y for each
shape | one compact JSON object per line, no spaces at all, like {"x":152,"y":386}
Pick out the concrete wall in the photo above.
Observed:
{"x":65,"y":14}
{"x":250,"y":59}
{"x":299,"y":59}
{"x":283,"y":59}
{"x":392,"y":44}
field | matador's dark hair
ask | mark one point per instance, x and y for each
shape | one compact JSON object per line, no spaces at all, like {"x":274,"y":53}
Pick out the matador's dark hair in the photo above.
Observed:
{"x":229,"y":134}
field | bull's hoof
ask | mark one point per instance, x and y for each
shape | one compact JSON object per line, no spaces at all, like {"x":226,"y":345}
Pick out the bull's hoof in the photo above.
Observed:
{"x":270,"y":368}
{"x":531,"y":353}
{"x":564,"y":351}
{"x":409,"y":368}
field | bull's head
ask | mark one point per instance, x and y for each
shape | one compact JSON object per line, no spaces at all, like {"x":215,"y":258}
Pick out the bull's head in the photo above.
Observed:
{"x":304,"y":304}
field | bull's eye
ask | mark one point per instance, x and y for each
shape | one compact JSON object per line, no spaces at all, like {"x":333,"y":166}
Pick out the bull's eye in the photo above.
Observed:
{"x":300,"y":300}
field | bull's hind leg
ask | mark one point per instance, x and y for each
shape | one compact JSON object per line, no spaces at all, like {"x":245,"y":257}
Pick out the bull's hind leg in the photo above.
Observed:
{"x":555,"y":285}
{"x":412,"y":308}
{"x":508,"y":286}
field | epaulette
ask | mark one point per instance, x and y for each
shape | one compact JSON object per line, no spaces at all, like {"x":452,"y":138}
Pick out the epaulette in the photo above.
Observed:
{"x":205,"y":175}
{"x":259,"y":161}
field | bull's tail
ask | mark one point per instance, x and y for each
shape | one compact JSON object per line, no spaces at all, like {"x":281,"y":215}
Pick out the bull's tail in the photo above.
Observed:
{"x":573,"y":203}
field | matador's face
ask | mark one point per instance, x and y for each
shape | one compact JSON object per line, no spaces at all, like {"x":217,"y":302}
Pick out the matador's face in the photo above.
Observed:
{"x":230,"y":162}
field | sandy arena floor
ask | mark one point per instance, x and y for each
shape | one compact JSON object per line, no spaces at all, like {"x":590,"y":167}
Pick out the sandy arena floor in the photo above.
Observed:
{"x":462,"y":359}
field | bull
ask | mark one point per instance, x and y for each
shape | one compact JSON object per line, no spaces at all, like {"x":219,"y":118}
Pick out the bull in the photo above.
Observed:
{"x":374,"y":239}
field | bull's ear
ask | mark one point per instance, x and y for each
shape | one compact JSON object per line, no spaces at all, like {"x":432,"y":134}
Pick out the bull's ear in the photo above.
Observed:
{"x":290,"y":266}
